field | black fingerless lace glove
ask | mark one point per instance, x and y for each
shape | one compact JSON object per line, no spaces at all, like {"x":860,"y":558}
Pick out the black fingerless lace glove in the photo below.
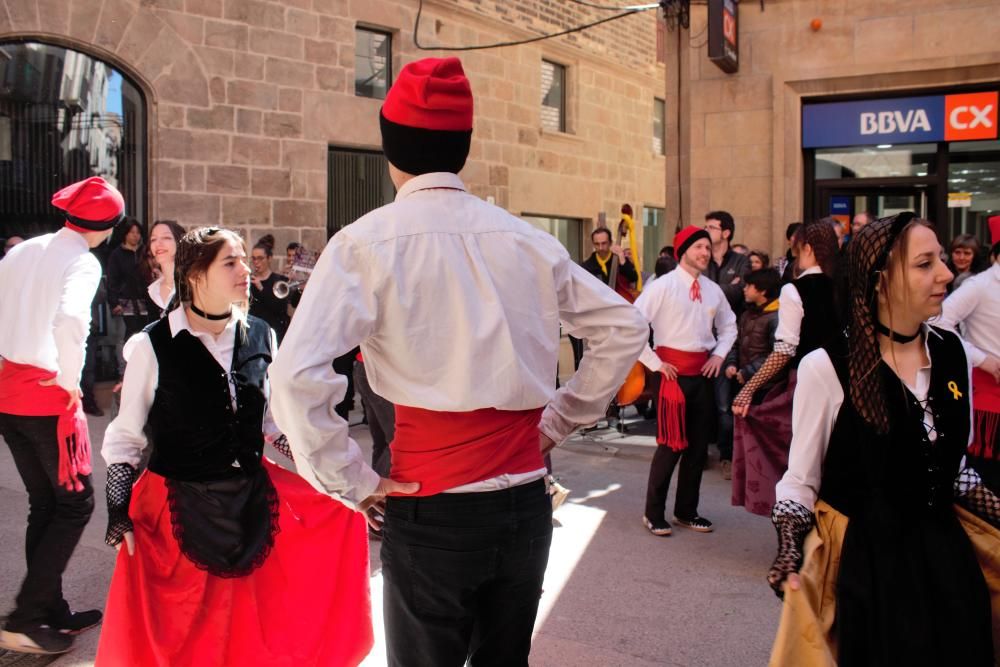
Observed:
{"x":773,"y":365}
{"x":281,"y":444}
{"x":121,"y":477}
{"x":972,"y":494}
{"x":793,"y":522}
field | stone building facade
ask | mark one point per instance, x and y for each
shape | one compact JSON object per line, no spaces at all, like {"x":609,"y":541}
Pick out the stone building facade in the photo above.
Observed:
{"x":244,"y":99}
{"x":736,"y":141}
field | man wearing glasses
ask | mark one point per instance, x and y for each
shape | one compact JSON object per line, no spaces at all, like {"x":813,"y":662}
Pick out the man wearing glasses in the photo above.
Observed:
{"x":727,"y":268}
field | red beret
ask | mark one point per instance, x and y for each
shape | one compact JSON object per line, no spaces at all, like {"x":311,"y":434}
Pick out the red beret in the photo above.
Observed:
{"x":91,"y":205}
{"x":686,"y":238}
{"x":432,"y":94}
{"x":994,"y":229}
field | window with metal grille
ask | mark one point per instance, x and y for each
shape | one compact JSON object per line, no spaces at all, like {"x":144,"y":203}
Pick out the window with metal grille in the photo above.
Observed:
{"x":553,"y":96}
{"x":65,"y":116}
{"x":659,"y":119}
{"x":358,"y":183}
{"x":569,"y":231}
{"x":372,"y":63}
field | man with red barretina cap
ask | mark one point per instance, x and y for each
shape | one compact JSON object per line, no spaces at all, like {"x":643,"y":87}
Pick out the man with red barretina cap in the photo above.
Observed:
{"x":42,"y":345}
{"x":693,"y":329}
{"x":975,"y":308}
{"x":456,"y":305}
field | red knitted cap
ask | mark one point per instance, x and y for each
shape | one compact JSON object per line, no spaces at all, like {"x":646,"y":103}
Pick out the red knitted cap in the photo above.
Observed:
{"x":686,"y":238}
{"x":90,"y":205}
{"x":994,"y":229}
{"x":432,"y":94}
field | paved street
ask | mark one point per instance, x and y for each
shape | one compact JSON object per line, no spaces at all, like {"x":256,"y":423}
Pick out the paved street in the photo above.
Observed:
{"x":614,"y":594}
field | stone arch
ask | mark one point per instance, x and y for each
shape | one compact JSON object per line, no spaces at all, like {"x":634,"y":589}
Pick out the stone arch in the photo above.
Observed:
{"x":124,"y":33}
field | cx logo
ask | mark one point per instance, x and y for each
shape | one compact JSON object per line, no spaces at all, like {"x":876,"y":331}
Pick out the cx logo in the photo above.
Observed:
{"x":970,"y":116}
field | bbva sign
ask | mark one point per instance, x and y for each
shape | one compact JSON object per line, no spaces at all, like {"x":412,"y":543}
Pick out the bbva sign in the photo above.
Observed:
{"x":958,"y":117}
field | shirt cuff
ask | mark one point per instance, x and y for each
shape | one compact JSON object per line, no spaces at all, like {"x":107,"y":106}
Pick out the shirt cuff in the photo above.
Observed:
{"x":555,"y":427}
{"x":650,"y":359}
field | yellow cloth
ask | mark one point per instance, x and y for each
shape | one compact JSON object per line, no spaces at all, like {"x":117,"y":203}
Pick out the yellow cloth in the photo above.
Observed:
{"x":771,"y":307}
{"x":603,"y":264}
{"x":805,"y":633}
{"x":630,"y":223}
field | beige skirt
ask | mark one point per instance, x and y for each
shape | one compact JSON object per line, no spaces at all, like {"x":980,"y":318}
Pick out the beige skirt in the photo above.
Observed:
{"x":805,"y":634}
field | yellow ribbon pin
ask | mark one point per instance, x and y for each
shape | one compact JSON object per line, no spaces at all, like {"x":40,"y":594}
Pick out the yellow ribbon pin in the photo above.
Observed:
{"x":953,"y":388}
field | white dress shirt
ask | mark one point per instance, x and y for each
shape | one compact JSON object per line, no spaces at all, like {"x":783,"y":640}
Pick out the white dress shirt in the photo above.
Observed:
{"x":975,"y":306}
{"x":815,"y":406}
{"x":456,"y":305}
{"x":683,"y":324}
{"x":47,"y":285}
{"x":154,"y":294}
{"x":790,"y":315}
{"x":124,"y":440}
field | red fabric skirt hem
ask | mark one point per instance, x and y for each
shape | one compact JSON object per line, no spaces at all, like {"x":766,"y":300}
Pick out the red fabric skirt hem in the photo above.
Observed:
{"x":307,"y":605}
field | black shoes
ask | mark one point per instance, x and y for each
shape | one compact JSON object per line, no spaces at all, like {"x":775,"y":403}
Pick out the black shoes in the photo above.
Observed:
{"x":77,"y":622}
{"x":42,"y":640}
{"x":658,"y":527}
{"x":699,"y":523}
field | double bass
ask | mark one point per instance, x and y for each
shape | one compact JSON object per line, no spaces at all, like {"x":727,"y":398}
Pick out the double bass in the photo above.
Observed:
{"x":637,"y":386}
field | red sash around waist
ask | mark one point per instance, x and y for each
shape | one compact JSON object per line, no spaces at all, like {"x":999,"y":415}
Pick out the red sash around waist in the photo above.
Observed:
{"x":671,"y":429}
{"x":986,"y":414}
{"x":22,"y":395}
{"x":442,"y":450}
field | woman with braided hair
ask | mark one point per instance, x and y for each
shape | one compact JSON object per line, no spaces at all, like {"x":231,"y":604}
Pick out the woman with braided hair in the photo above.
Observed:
{"x":807,"y":320}
{"x":873,"y":562}
{"x":229,"y":559}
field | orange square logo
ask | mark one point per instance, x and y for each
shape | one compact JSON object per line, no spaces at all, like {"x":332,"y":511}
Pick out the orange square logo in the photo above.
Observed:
{"x":970,"y":116}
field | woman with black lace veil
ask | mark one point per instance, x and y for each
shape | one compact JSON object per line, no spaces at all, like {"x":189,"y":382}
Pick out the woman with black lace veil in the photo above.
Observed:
{"x":886,"y":541}
{"x":228,"y":559}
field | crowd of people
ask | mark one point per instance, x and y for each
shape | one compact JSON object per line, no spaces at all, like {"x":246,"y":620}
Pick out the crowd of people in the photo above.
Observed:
{"x":853,"y":394}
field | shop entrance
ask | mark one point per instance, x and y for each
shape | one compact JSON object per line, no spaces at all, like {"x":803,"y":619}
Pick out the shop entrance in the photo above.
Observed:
{"x":844,"y":203}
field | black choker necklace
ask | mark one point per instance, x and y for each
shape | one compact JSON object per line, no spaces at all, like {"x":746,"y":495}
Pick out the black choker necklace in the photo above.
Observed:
{"x":208,"y":316}
{"x":897,"y":337}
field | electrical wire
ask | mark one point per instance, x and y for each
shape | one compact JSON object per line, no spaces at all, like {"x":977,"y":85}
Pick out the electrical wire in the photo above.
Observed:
{"x":497,"y":45}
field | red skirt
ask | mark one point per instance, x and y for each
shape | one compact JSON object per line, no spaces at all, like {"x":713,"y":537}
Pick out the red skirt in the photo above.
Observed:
{"x":761,"y":441}
{"x":307,"y":605}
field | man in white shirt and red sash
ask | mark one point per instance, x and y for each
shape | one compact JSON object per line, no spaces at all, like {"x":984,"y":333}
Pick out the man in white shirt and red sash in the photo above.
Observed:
{"x":693,"y":329}
{"x":46,"y":288}
{"x":975,"y":306}
{"x":456,"y":305}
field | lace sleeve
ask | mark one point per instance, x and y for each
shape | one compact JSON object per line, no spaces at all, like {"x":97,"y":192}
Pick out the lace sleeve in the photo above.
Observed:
{"x":771,"y":367}
{"x":973,"y":495}
{"x":792,"y":521}
{"x":118,"y":493}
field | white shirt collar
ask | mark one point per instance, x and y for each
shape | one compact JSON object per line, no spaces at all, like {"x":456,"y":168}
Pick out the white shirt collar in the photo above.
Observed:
{"x":812,"y":270}
{"x":995,"y":269}
{"x":437,"y":179}
{"x":178,"y":321}
{"x":686,"y":278}
{"x":73,"y":237}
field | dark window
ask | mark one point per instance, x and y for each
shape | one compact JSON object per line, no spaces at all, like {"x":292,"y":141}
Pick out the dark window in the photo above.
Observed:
{"x":372,"y":63}
{"x":569,"y":231}
{"x":358,"y":183}
{"x":652,"y":236}
{"x":64,"y":116}
{"x":659,"y":118}
{"x":553,"y":96}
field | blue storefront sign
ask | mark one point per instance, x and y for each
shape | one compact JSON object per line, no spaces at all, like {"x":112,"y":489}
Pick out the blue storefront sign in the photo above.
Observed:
{"x":903,"y":120}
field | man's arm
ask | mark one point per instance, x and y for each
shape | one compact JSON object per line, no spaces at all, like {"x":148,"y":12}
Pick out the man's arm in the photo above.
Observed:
{"x":628,"y":270}
{"x":72,"y":321}
{"x":336,"y":314}
{"x":615,"y":333}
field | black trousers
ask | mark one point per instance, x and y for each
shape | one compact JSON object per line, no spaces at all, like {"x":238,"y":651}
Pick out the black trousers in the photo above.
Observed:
{"x":56,"y":519}
{"x":463,"y":575}
{"x":725,"y":392}
{"x":344,"y":365}
{"x":381,"y":416}
{"x":700,"y":421}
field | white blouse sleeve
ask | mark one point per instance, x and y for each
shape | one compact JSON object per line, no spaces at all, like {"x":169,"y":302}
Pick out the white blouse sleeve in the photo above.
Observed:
{"x":270,"y":428}
{"x":124,"y":440}
{"x":790,"y":314}
{"x":817,"y":401}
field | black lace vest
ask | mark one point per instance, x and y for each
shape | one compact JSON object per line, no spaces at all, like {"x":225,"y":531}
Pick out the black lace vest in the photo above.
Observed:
{"x":820,"y":323}
{"x":196,"y":433}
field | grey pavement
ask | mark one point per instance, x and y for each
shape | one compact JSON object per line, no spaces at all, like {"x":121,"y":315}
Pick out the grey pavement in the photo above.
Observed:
{"x":614,"y":594}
